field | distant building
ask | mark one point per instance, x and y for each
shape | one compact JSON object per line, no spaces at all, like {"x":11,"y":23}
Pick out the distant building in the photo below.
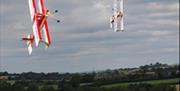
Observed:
{"x":4,"y":77}
{"x":177,"y":72}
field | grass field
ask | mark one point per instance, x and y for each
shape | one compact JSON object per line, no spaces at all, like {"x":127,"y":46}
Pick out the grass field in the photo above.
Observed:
{"x":153,"y":82}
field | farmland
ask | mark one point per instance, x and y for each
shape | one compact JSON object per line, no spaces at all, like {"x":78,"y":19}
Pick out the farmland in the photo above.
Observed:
{"x":152,"y":82}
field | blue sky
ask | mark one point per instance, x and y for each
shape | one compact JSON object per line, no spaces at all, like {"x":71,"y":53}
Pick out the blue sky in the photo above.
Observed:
{"x":83,"y":40}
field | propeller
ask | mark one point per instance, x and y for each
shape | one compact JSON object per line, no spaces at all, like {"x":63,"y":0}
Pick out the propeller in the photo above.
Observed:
{"x":54,"y":16}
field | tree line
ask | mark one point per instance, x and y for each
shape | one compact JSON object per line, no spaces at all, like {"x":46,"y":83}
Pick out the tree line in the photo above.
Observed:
{"x":32,"y":86}
{"x":92,"y":81}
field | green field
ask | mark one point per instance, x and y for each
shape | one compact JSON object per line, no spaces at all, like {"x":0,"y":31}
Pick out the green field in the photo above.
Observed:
{"x":153,"y":82}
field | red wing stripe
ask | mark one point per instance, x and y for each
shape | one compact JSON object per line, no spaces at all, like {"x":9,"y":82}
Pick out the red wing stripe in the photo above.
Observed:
{"x":35,"y":9}
{"x":41,"y":6}
{"x":38,"y":27}
{"x":34,"y":5}
{"x":47,"y":32}
{"x":44,"y":23}
{"x":36,"y":19}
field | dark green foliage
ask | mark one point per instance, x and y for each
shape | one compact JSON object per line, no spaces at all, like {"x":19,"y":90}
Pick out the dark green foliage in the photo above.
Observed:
{"x":163,"y":88}
{"x":75,"y":80}
{"x":47,"y":88}
{"x":94,"y":81}
{"x":18,"y":87}
{"x":32,"y":87}
{"x":140,"y":87}
{"x":67,"y":87}
{"x":4,"y":86}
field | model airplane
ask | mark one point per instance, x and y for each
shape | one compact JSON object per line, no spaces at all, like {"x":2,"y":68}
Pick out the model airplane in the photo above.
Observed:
{"x":39,"y":16}
{"x":117,"y":19}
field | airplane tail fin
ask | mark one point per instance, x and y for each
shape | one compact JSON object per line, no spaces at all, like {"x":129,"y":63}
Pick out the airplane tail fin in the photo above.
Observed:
{"x":29,"y":40}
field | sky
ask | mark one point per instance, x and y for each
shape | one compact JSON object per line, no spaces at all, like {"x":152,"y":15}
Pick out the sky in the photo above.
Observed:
{"x":84,"y":42}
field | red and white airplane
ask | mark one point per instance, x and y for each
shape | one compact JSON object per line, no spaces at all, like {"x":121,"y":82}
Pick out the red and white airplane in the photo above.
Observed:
{"x":39,"y":16}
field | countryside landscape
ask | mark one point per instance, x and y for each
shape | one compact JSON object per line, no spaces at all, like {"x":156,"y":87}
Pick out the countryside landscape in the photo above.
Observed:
{"x":152,"y":77}
{"x":89,"y":45}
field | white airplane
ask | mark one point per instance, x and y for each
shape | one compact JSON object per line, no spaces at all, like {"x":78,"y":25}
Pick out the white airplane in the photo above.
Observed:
{"x":117,"y":19}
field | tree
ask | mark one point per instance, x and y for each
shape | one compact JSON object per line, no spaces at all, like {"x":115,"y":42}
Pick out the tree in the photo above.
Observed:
{"x":18,"y":87}
{"x":75,"y":80}
{"x":67,"y":87}
{"x":32,"y":87}
{"x":48,"y":88}
{"x":4,"y":86}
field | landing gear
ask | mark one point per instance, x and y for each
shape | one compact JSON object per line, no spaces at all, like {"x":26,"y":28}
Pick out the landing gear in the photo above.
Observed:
{"x":56,"y":11}
{"x":58,"y":21}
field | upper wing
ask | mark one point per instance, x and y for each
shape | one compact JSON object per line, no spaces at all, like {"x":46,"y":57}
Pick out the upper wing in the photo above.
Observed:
{"x":36,"y":31}
{"x":44,"y":24}
{"x":115,"y":10}
{"x":41,"y":7}
{"x":32,"y":8}
{"x":122,"y":18}
{"x":34,"y":18}
{"x":118,"y":21}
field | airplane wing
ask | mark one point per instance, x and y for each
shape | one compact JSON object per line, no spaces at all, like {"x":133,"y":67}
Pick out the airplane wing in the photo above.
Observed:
{"x":36,"y":31}
{"x":32,"y":8}
{"x":122,"y":18}
{"x":118,"y":24}
{"x":115,"y":25}
{"x":46,"y":33}
{"x":44,"y":25}
{"x":34,"y":18}
{"x":41,"y":7}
